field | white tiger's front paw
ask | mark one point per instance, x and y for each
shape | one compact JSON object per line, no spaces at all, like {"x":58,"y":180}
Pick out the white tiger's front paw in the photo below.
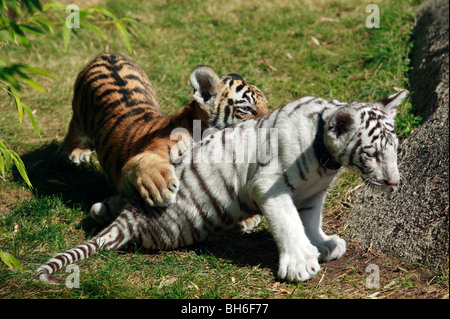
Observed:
{"x":295,"y":267}
{"x":333,"y":247}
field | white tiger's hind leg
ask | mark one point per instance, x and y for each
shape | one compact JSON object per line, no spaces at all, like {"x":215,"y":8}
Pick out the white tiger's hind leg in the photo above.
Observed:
{"x":330,"y":247}
{"x":106,"y":211}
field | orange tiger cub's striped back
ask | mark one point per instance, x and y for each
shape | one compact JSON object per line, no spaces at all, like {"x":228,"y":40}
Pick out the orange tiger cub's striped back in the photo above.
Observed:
{"x":113,"y":102}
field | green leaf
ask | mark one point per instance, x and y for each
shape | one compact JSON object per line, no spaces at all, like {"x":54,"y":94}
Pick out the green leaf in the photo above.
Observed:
{"x":7,"y":75}
{"x":15,"y":96}
{"x":3,"y":37}
{"x":10,"y":261}
{"x":14,"y":5}
{"x":124,"y":35}
{"x":18,"y":34}
{"x":2,"y":165}
{"x":43,"y":23}
{"x":66,"y":36}
{"x":104,"y":11}
{"x":20,"y":167}
{"x":36,"y":70}
{"x":37,"y":4}
{"x":12,"y":35}
{"x":32,"y":120}
{"x":143,"y":28}
{"x":53,"y":6}
{"x":32,"y":5}
{"x":4,"y":150}
{"x":94,"y":28}
{"x":30,"y":29}
{"x":33,"y":84}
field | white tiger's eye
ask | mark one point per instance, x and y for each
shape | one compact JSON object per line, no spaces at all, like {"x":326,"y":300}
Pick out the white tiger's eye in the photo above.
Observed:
{"x":369,"y":157}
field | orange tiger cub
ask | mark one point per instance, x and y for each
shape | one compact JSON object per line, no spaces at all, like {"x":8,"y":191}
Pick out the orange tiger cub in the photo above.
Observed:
{"x":116,"y":113}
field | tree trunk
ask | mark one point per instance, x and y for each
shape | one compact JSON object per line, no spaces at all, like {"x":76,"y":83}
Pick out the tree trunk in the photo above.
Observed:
{"x":413,"y":220}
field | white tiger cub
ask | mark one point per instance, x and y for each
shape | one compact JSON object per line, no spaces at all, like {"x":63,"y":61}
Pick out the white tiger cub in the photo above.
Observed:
{"x":314,"y":138}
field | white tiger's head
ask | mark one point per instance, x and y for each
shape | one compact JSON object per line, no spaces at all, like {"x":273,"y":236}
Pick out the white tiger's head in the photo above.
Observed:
{"x":362,"y":136}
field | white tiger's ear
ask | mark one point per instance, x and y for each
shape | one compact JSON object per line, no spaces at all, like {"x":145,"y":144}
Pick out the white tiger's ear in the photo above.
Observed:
{"x":389,"y":104}
{"x":203,"y":80}
{"x":343,"y":121}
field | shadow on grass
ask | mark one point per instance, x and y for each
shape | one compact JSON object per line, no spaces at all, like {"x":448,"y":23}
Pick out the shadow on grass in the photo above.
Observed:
{"x":255,"y":248}
{"x":52,"y":174}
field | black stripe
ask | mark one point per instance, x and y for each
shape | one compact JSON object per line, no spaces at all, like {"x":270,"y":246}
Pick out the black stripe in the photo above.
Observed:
{"x":104,"y":94}
{"x":129,"y":140}
{"x":72,"y":255}
{"x":278,"y":112}
{"x":175,"y":221}
{"x":154,"y":216}
{"x":183,"y":197}
{"x":286,"y":180}
{"x":213,"y":123}
{"x":115,"y":125}
{"x":100,"y":76}
{"x":373,"y":129}
{"x":240,"y":87}
{"x":54,"y":266}
{"x":78,"y":254}
{"x":353,"y":151}
{"x":206,"y":220}
{"x":144,"y":225}
{"x":85,"y":249}
{"x":219,"y":209}
{"x":229,"y":188}
{"x":301,"y":160}
{"x":226,"y":114}
{"x":60,"y":257}
{"x":299,"y":168}
{"x":299,"y":105}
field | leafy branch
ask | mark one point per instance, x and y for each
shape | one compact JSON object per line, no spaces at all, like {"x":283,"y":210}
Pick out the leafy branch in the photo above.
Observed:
{"x":19,"y":20}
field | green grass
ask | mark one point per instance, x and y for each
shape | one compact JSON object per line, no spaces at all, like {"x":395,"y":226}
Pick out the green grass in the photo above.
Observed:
{"x":287,"y":49}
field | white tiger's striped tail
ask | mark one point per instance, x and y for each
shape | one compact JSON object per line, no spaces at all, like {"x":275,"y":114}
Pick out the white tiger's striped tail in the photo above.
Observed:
{"x":84,"y":251}
{"x":112,"y":237}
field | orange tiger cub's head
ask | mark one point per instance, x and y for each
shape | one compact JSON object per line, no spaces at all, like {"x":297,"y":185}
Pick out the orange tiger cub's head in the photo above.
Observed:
{"x":226,"y":100}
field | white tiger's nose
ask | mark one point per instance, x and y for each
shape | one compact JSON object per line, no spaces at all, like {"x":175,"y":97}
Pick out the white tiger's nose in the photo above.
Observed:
{"x":392,"y":182}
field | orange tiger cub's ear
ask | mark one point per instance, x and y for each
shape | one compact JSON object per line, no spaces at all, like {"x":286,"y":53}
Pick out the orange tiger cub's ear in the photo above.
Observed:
{"x":203,"y":80}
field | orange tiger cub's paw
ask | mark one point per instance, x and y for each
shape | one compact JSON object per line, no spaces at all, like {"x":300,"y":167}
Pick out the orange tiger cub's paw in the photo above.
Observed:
{"x":79,"y":156}
{"x":76,"y":147}
{"x":246,"y":224}
{"x":153,"y":179}
{"x":249,"y":223}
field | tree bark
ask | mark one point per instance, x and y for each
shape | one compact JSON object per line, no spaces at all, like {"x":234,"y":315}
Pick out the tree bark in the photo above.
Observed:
{"x":413,"y":220}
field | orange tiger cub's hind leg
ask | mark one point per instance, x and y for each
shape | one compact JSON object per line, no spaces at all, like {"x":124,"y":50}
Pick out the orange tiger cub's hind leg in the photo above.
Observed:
{"x":152,"y":176}
{"x":246,"y":224}
{"x":76,"y":146}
